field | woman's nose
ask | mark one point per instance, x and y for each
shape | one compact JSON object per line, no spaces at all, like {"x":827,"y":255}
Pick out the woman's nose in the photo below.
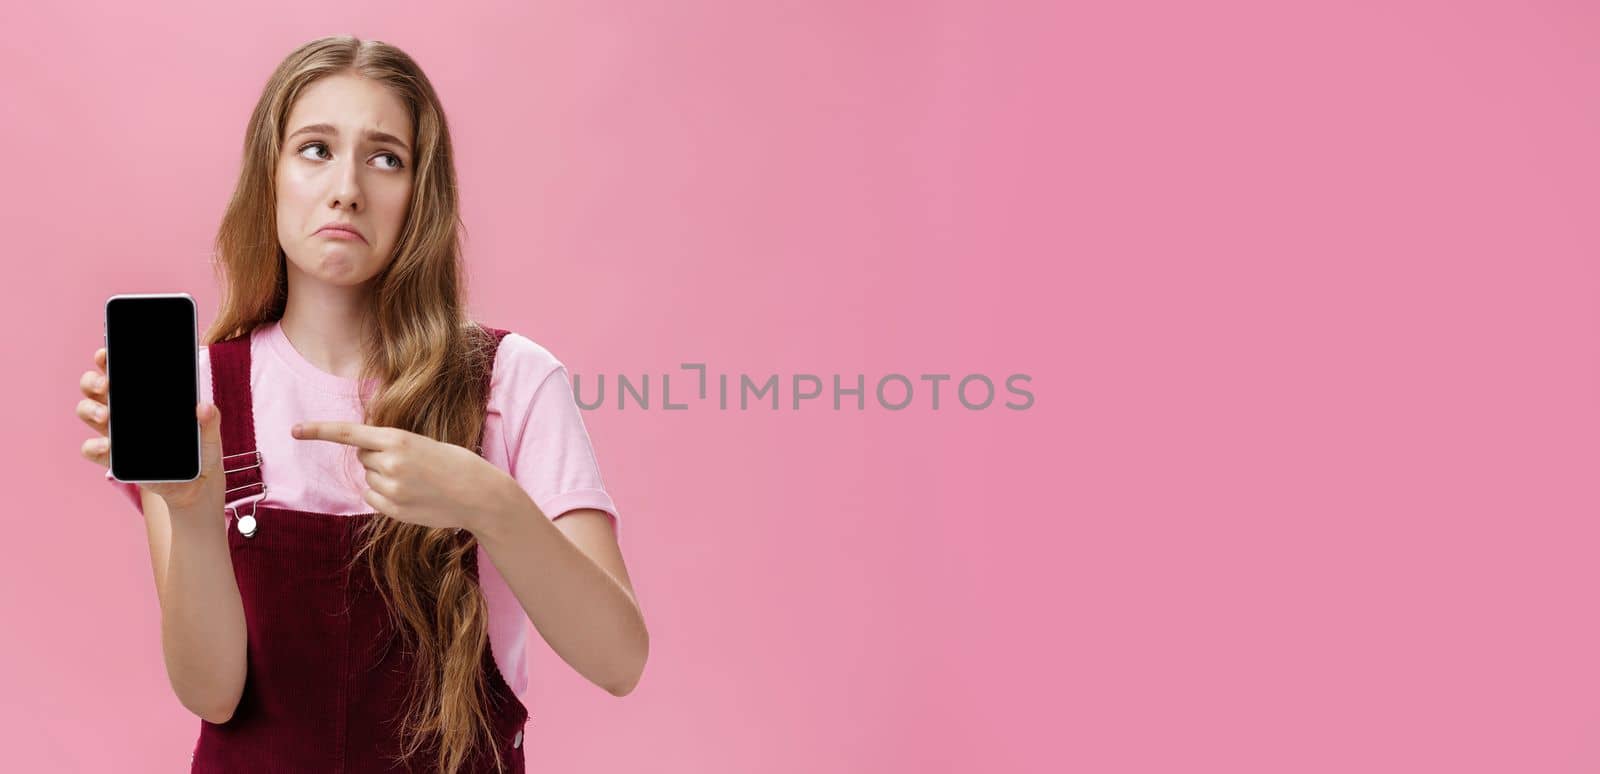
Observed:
{"x":347,"y":186}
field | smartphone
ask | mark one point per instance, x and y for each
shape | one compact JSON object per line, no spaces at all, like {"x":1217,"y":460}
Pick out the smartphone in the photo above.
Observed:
{"x":151,"y":344}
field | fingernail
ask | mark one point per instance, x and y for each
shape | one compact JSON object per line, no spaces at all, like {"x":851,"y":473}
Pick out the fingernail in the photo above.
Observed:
{"x":99,"y":413}
{"x":99,"y":382}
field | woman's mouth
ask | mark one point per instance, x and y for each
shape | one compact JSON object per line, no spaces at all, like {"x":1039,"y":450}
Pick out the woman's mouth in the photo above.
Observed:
{"x":340,"y":232}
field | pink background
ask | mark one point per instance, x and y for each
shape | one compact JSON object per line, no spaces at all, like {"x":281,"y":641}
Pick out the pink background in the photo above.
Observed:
{"x":1308,"y":296}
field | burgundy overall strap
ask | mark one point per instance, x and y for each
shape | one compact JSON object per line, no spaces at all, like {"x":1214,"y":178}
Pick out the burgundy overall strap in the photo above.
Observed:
{"x":230,"y":390}
{"x":496,"y":336}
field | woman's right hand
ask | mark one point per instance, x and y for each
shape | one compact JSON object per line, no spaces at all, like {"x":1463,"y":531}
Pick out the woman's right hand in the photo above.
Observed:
{"x":204,"y":495}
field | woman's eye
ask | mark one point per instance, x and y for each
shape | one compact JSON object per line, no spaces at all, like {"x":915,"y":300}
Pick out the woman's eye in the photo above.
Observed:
{"x":319,"y":152}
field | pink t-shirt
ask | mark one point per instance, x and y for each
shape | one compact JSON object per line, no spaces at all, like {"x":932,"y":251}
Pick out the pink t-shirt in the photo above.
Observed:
{"x":533,"y":431}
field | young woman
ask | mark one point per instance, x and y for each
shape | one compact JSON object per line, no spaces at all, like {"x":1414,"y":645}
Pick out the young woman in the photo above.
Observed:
{"x":389,"y":490}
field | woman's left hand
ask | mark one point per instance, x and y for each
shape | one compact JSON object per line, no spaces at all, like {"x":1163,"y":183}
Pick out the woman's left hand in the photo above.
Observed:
{"x":415,"y":478}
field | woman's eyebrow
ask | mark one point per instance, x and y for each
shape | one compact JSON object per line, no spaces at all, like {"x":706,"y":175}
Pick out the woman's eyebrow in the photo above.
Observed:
{"x":372,"y":134}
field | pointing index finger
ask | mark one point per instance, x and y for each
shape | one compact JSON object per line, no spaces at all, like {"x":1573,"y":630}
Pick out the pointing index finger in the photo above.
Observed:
{"x":354,"y":434}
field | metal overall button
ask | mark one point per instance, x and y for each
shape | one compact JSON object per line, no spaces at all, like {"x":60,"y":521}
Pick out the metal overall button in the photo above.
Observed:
{"x":246,"y":523}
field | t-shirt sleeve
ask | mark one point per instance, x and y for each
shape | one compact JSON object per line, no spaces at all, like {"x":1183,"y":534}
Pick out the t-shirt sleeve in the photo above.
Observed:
{"x":130,"y":491}
{"x":127,"y":490}
{"x":548,"y":446}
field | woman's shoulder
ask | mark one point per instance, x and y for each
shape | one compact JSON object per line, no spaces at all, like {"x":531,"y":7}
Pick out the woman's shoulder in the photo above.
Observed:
{"x":521,"y":364}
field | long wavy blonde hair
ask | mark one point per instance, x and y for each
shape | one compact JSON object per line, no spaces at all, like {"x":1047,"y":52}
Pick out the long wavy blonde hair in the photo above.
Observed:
{"x":430,"y":362}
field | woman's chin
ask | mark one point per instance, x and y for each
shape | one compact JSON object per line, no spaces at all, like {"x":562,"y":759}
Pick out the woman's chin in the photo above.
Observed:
{"x":339,"y":264}
{"x":344,"y":266}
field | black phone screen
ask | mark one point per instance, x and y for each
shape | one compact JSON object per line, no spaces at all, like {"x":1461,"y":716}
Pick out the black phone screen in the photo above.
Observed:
{"x":151,"y":343}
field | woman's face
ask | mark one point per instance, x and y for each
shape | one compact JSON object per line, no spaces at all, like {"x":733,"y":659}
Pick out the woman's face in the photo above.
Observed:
{"x":346,"y":160}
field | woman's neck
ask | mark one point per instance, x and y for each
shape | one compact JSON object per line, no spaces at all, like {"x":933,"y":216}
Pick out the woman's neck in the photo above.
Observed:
{"x":327,"y":324}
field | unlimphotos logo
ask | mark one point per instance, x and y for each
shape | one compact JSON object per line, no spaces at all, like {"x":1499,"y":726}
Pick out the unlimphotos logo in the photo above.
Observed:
{"x":892,"y":391}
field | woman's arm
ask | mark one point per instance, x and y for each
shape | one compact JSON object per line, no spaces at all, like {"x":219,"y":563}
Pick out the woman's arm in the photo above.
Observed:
{"x":569,"y":578}
{"x":568,"y":575}
{"x":202,"y":615}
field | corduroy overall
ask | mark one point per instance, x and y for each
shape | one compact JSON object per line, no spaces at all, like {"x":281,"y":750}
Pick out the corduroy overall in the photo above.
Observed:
{"x":328,"y":675}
